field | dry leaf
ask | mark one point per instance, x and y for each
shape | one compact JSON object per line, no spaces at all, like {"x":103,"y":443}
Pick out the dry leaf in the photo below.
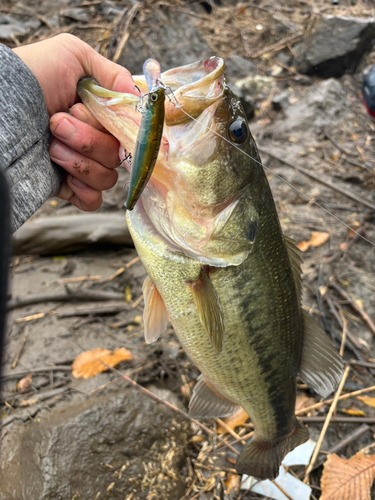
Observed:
{"x":317,"y":239}
{"x":232,"y":483}
{"x":348,"y":479}
{"x":238,"y":418}
{"x":25,"y":383}
{"x":367,"y":400}
{"x":90,"y":363}
{"x":303,"y":401}
{"x":128,"y":294}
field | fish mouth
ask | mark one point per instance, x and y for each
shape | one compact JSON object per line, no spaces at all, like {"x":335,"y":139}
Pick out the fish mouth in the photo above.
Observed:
{"x":192,"y":89}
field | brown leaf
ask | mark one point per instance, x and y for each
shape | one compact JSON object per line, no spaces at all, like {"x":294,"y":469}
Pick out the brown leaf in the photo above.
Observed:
{"x":25,"y":383}
{"x":238,"y":418}
{"x":232,"y":483}
{"x":348,"y":479}
{"x":90,"y":363}
{"x":367,"y":400}
{"x":317,"y":239}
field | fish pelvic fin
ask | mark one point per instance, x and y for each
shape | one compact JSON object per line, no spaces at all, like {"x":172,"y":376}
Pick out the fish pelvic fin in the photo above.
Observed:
{"x":321,"y":365}
{"x":155,"y":316}
{"x":207,"y":402}
{"x":262,"y":459}
{"x":210,"y":312}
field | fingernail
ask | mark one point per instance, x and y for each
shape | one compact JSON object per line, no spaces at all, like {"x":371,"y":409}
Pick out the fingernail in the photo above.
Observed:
{"x":78,"y":183}
{"x":65,"y":130}
{"x":60,"y":152}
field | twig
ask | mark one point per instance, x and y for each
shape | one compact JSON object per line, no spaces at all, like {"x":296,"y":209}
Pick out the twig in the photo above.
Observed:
{"x":132,"y":13}
{"x":67,"y":296}
{"x":276,"y":46}
{"x":76,"y":279}
{"x":34,"y":316}
{"x":344,"y":332}
{"x":281,"y":489}
{"x":56,"y":368}
{"x":366,"y":318}
{"x":121,"y":270}
{"x":328,"y":401}
{"x":344,"y":192}
{"x":340,"y":420}
{"x":172,"y":407}
{"x":365,"y":364}
{"x":326,"y":424}
{"x":211,"y":467}
{"x":17,"y":356}
{"x":340,"y":148}
{"x":137,"y":302}
{"x":95,"y":311}
{"x":230,"y":431}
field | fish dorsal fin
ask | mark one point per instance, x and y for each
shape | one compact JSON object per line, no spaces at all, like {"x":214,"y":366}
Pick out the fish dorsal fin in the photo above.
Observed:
{"x":155,"y":316}
{"x":294,"y":254}
{"x":209,"y":308}
{"x":207,"y":402}
{"x":321,"y":366}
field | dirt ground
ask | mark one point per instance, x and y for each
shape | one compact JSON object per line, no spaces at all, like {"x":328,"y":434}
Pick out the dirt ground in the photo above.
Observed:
{"x":333,"y":140}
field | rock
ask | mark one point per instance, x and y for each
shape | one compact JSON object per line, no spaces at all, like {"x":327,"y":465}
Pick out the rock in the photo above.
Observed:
{"x":113,"y":445}
{"x":171,"y":39}
{"x":335,"y":46}
{"x":280,"y":101}
{"x":321,"y":107}
{"x":11,"y":27}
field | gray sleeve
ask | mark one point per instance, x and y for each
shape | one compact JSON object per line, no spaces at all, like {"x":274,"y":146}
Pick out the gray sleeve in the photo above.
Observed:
{"x":24,"y":139}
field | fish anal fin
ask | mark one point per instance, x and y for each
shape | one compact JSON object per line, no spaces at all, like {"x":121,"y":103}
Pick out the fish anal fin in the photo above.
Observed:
{"x":321,"y":366}
{"x":155,"y":316}
{"x":207,"y":402}
{"x":209,"y":308}
{"x":294,"y":254}
{"x":262,"y":459}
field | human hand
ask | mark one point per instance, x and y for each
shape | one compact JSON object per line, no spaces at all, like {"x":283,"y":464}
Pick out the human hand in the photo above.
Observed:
{"x":80,"y":145}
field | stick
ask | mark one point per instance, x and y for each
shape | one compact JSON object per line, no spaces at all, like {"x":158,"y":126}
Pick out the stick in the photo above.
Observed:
{"x":95,"y":311}
{"x":340,"y":420}
{"x":344,"y":192}
{"x":67,"y":296}
{"x":326,"y":424}
{"x":15,"y":376}
{"x":172,"y":407}
{"x":132,"y":13}
{"x":366,"y":318}
{"x":328,"y":401}
{"x":230,"y":431}
{"x":17,"y":356}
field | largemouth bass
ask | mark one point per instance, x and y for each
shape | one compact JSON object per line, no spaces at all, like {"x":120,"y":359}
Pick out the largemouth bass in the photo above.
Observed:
{"x":219,"y":268}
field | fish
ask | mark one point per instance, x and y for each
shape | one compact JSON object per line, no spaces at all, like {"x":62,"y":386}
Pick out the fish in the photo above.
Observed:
{"x":219,"y":267}
{"x":149,"y":134}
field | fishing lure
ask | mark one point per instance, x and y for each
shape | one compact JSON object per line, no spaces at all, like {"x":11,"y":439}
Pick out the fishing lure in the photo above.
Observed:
{"x":149,"y":134}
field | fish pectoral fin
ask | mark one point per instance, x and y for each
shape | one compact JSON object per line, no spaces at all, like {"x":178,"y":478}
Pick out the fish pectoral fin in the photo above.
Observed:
{"x":321,"y":366}
{"x":262,"y":459}
{"x":155,"y":316}
{"x":207,"y":402}
{"x":294,"y":254}
{"x":209,"y":308}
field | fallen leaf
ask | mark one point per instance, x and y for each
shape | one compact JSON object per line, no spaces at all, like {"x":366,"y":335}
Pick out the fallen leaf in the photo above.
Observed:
{"x":25,"y":383}
{"x":317,"y":239}
{"x":238,"y":418}
{"x":367,"y":400}
{"x":303,"y":246}
{"x":232,"y":483}
{"x":348,"y":479}
{"x":303,"y":401}
{"x":354,"y":411}
{"x":90,"y":363}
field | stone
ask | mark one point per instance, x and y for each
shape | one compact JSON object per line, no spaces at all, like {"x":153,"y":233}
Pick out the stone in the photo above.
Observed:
{"x":280,"y":101}
{"x":113,"y":445}
{"x":335,"y":46}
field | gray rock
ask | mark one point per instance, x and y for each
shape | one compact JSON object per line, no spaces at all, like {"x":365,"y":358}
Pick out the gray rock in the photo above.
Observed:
{"x":171,"y":39}
{"x":112,"y":445}
{"x":321,"y":107}
{"x":335,"y":46}
{"x":281,"y":101}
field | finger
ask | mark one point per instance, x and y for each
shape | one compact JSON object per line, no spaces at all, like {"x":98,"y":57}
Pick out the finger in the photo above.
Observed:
{"x":80,"y":194}
{"x":85,"y":139}
{"x":80,"y":112}
{"x":83,"y":168}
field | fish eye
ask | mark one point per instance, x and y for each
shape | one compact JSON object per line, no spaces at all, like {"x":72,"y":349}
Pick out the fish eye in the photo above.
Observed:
{"x":154,"y":97}
{"x":238,"y":131}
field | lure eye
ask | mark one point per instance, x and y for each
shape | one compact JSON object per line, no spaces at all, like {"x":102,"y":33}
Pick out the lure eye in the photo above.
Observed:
{"x":154,"y":97}
{"x":238,"y":131}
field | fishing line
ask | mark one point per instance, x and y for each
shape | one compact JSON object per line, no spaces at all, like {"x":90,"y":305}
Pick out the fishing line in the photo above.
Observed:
{"x":304,"y":195}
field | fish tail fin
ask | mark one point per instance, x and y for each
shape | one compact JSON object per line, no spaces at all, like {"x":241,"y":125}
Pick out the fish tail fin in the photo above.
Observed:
{"x":262,"y":459}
